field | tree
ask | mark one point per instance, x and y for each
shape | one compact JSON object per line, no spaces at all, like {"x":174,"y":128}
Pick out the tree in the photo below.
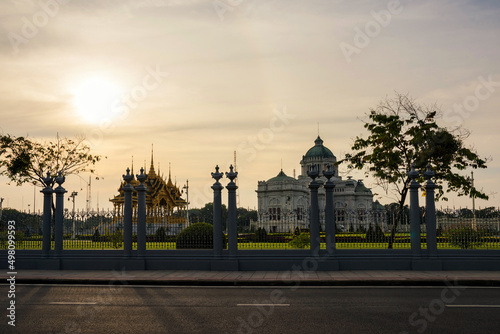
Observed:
{"x":403,"y":133}
{"x":207,"y":214}
{"x":24,"y":160}
{"x":245,"y":217}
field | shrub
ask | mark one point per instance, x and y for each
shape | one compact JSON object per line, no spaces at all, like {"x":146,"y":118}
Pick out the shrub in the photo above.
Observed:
{"x":464,"y":236}
{"x":161,"y":235}
{"x":375,"y":234}
{"x":260,"y":235}
{"x":198,"y":236}
{"x":300,"y":241}
{"x":96,"y":237}
{"x":117,"y":239}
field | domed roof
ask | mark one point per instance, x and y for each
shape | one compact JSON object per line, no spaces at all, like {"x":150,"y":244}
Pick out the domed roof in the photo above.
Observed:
{"x":360,"y":188}
{"x":318,"y":150}
{"x":280,"y":177}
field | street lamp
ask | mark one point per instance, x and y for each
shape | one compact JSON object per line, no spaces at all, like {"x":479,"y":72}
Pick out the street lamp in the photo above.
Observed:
{"x":72,"y":196}
{"x":187,"y":201}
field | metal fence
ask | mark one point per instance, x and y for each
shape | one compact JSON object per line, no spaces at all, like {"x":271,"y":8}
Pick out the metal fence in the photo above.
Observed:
{"x":357,"y":229}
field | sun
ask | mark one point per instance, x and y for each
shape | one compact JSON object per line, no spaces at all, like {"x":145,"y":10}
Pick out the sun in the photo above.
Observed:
{"x":94,"y":99}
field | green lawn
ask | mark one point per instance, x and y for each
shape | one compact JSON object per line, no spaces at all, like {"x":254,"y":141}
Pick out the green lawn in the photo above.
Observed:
{"x":89,"y":245}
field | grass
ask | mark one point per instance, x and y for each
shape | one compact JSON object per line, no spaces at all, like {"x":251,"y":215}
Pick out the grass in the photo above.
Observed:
{"x":89,"y":245}
{"x":341,"y":244}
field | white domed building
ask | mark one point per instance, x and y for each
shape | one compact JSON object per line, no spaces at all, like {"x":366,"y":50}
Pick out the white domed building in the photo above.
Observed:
{"x":283,"y":200}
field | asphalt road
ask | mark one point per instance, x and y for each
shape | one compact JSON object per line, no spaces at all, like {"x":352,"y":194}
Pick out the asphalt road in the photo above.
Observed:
{"x":156,"y":309}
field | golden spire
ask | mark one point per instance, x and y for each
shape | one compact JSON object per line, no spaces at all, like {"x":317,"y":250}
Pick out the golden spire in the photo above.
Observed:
{"x":152,"y":166}
{"x":132,"y":165}
{"x":169,"y":181}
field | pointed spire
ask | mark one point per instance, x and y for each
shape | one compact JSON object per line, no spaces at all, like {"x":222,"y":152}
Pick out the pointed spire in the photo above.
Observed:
{"x":169,"y":181}
{"x":152,"y":166}
{"x":132,"y":165}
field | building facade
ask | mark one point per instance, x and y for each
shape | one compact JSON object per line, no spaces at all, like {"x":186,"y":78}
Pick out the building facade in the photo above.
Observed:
{"x":283,"y":201}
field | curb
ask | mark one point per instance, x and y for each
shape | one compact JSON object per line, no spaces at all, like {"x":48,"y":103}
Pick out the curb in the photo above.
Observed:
{"x":271,"y":282}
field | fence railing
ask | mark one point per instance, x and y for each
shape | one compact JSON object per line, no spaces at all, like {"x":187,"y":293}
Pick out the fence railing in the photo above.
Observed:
{"x":103,"y":229}
{"x":354,"y":229}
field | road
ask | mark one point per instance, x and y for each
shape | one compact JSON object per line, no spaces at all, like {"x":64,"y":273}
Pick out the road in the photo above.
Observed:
{"x":160,"y":309}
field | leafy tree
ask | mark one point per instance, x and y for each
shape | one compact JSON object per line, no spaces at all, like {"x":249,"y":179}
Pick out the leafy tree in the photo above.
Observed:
{"x":245,"y":217}
{"x":25,"y":160}
{"x":207,"y":214}
{"x":402,"y":133}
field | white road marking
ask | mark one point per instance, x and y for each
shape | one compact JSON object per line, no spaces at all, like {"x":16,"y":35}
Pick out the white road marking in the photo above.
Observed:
{"x":477,"y":306}
{"x":263,"y":305}
{"x":73,"y":303}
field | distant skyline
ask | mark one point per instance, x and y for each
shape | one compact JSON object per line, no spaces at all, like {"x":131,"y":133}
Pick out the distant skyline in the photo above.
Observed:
{"x":201,"y":79}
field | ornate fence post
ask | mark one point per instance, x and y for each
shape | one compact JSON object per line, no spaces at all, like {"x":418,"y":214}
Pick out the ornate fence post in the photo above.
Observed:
{"x":330,"y":226}
{"x":414,"y":213}
{"x":430,"y":212}
{"x":47,"y":215}
{"x":127,"y":215}
{"x":217,"y":216}
{"x":232,"y":228}
{"x":313,"y":173}
{"x":58,"y":230}
{"x":141,"y":213}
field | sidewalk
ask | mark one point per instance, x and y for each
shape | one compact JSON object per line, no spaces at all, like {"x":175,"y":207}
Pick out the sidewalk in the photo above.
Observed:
{"x":272,"y":278}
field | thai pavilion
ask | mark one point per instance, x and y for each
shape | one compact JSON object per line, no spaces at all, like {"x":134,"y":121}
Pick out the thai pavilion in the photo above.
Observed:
{"x":164,"y":205}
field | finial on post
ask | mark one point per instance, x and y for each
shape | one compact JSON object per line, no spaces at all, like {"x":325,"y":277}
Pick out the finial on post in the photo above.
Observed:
{"x":217,"y":175}
{"x":328,"y":173}
{"x":429,"y":173}
{"x":60,"y":178}
{"x":413,"y":174}
{"x":141,"y":177}
{"x":128,"y":177}
{"x":231,"y":175}
{"x":313,"y":172}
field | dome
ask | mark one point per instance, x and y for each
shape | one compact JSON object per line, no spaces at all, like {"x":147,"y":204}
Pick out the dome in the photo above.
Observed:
{"x":280,"y":177}
{"x":318,"y":150}
{"x":360,"y":188}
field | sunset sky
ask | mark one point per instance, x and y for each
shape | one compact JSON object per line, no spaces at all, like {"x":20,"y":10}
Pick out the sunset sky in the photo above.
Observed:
{"x":200,"y":79}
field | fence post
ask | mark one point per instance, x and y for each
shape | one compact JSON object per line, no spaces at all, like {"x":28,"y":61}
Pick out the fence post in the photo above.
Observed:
{"x":141,"y":213}
{"x":232,"y":229}
{"x":430,"y":212}
{"x":313,"y":173}
{"x":330,"y":225}
{"x":127,"y":214}
{"x":217,"y":215}
{"x":47,"y":215}
{"x":414,"y":213}
{"x":58,"y":239}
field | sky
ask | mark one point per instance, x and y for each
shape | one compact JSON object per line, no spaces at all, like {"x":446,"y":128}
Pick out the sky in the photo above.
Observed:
{"x":202,"y":79}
